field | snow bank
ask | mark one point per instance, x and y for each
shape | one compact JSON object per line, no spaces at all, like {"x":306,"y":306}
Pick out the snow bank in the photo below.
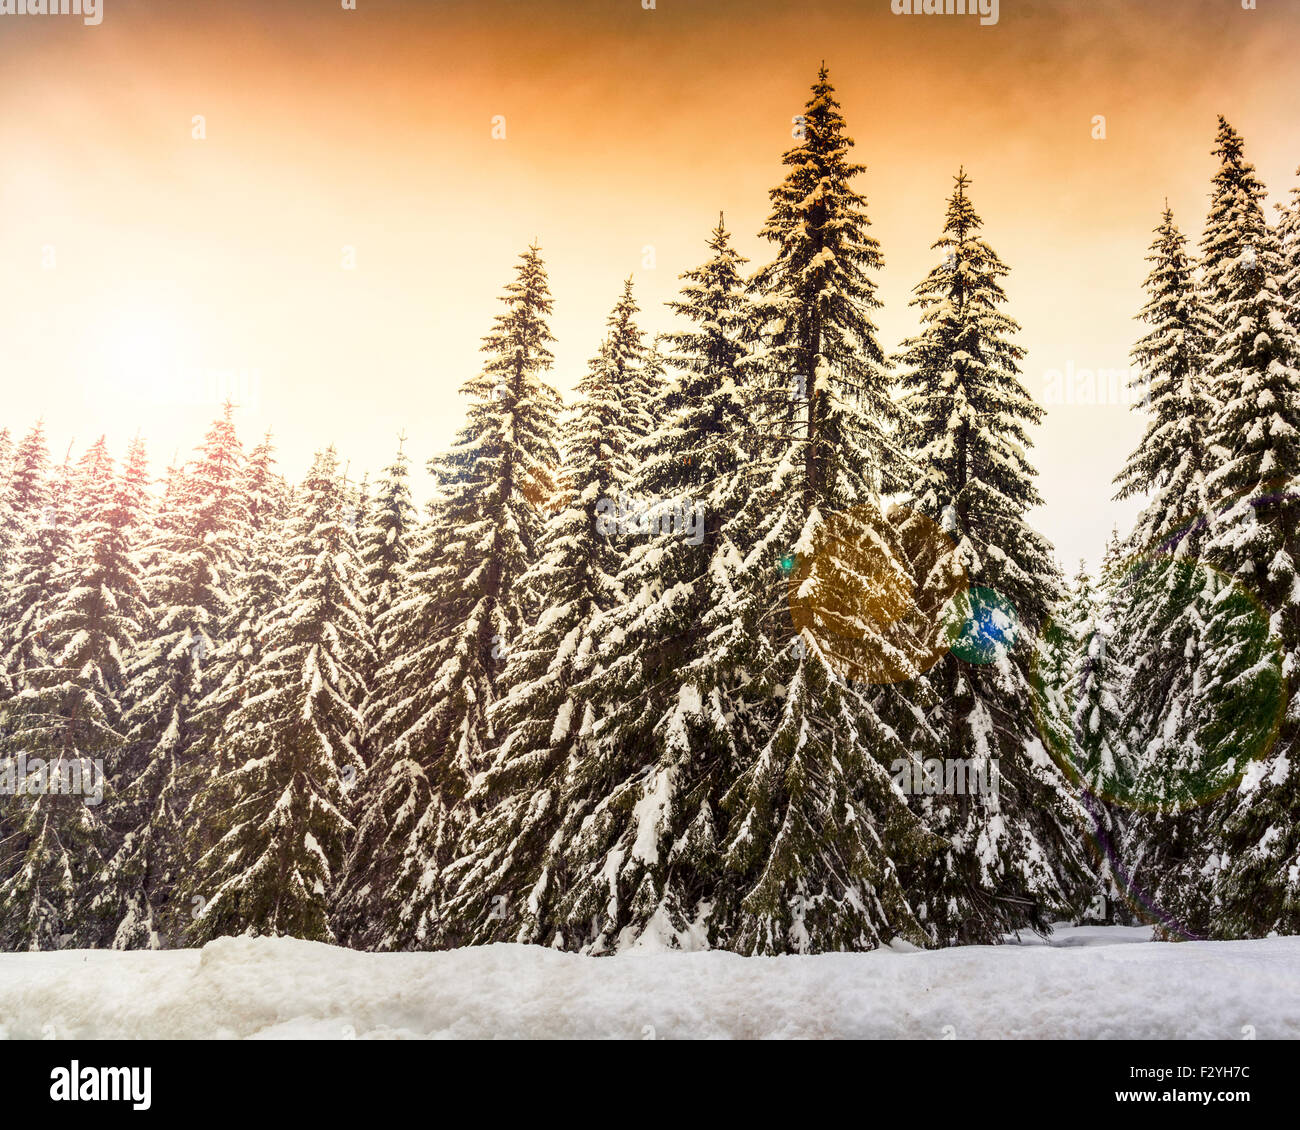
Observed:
{"x":1081,"y":985}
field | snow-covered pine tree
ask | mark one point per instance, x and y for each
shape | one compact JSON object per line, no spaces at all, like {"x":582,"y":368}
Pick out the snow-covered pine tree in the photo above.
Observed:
{"x":1170,"y":465}
{"x":511,"y":873}
{"x":1255,"y":541}
{"x":257,"y":591}
{"x":265,"y":491}
{"x":385,"y":546}
{"x":1081,"y":684}
{"x":1159,"y":615}
{"x":68,"y":713}
{"x":1235,"y":220}
{"x":1115,"y":591}
{"x":192,"y":562}
{"x":462,"y":609}
{"x":632,"y":365}
{"x":29,"y":471}
{"x":356,"y":505}
{"x":1288,"y":236}
{"x":1015,"y":856}
{"x":1223,"y":712}
{"x":816,"y":830}
{"x":37,"y":540}
{"x":41,"y":532}
{"x":1057,"y":646}
{"x":660,"y":382}
{"x":386,"y":541}
{"x":1098,"y":752}
{"x":11,"y":536}
{"x":169,"y":515}
{"x":261,"y":592}
{"x":43,"y":529}
{"x":601,"y":827}
{"x":573,"y":575}
{"x":275,"y":820}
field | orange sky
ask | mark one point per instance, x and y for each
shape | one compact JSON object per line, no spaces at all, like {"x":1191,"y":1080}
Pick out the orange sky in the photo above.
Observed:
{"x":625,"y":128}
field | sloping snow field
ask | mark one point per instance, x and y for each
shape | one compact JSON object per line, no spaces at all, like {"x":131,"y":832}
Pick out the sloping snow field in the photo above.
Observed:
{"x":1092,"y":982}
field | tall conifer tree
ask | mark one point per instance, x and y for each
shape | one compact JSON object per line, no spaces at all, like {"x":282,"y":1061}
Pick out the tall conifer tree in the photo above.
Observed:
{"x":1256,"y":543}
{"x":514,"y":876}
{"x":1015,"y":854}
{"x":192,"y":565}
{"x":69,"y":715}
{"x":277,"y":815}
{"x":603,"y":824}
{"x":816,"y":829}
{"x":464,"y":607}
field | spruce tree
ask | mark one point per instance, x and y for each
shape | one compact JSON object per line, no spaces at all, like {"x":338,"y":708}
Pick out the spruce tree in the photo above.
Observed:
{"x":463,"y":608}
{"x":385,"y":544}
{"x":68,"y":713}
{"x":600,"y":819}
{"x":1086,"y":725}
{"x":816,"y":831}
{"x":257,"y":590}
{"x":42,"y":528}
{"x":511,"y":872}
{"x":1170,"y":465}
{"x":387,"y":540}
{"x":264,"y":489}
{"x":1099,"y":755}
{"x":1161,"y":620}
{"x":276,"y":816}
{"x":192,"y":563}
{"x":1256,"y":543}
{"x":1174,"y":390}
{"x":639,"y":367}
{"x":261,"y":593}
{"x":574,"y":575}
{"x":28,"y":474}
{"x":1015,"y":855}
{"x":11,"y":535}
{"x":1288,"y":235}
{"x":43,"y":525}
{"x":1057,"y":647}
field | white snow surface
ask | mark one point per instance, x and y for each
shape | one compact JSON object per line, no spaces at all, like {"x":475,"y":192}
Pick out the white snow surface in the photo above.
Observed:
{"x":1089,"y":982}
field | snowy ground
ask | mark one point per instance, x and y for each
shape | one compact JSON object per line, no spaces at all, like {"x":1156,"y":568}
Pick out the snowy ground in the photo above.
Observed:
{"x":1082,"y":984}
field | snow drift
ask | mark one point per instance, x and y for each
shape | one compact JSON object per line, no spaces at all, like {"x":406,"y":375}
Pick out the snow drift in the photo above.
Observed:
{"x":1082,"y":985}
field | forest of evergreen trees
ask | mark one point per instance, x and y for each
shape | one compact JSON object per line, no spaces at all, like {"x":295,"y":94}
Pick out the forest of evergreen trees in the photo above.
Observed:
{"x":322,"y":714}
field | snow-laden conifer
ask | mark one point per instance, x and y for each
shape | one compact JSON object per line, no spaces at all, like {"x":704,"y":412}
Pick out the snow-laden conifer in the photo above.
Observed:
{"x":275,"y":819}
{"x":447,"y":638}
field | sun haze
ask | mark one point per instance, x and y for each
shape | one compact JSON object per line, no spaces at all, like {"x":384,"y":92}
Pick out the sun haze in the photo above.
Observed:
{"x":312,"y":209}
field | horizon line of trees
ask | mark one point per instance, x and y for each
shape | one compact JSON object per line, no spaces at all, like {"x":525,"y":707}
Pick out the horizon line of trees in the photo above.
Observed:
{"x":323,"y":716}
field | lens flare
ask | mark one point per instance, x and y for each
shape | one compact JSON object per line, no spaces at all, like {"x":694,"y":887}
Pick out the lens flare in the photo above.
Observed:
{"x":876,"y":593}
{"x":987,"y":626}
